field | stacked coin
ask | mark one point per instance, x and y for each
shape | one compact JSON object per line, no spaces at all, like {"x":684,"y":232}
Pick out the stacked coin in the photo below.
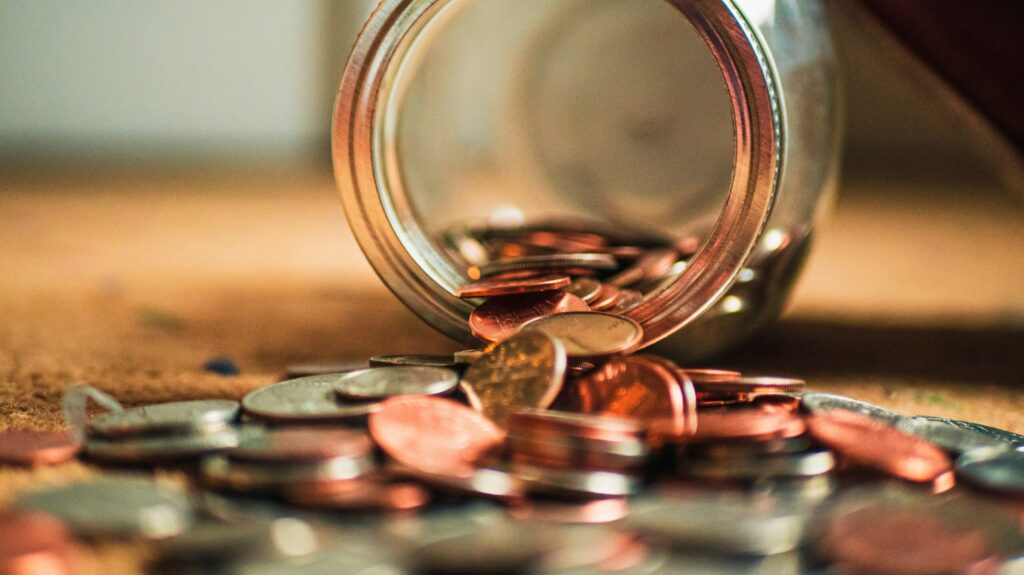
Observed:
{"x":162,"y":432}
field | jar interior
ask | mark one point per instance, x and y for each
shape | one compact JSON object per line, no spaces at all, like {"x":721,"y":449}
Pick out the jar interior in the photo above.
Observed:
{"x":502,"y":113}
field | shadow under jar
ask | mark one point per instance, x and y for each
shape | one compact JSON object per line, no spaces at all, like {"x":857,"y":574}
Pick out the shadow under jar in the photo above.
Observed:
{"x":705,"y":126}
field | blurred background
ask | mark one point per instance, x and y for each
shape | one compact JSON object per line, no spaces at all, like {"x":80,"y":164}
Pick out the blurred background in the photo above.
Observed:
{"x":143,"y":142}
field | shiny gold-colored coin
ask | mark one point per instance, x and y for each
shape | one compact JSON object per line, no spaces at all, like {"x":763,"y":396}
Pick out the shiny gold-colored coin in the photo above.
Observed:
{"x":525,"y":370}
{"x":590,"y":333}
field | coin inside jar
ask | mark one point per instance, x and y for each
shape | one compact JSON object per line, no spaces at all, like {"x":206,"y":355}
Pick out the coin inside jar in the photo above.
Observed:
{"x":594,"y":261}
{"x":383,"y":382}
{"x":588,"y":334}
{"x":498,"y":318}
{"x":498,"y":287}
{"x":587,"y":289}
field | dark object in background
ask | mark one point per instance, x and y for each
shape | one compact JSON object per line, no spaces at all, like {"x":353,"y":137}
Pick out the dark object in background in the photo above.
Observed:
{"x":221,"y":366}
{"x":974,"y":46}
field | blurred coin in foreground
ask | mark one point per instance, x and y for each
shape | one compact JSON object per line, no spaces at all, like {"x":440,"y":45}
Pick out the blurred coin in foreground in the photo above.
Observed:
{"x":35,"y":448}
{"x":306,"y":399}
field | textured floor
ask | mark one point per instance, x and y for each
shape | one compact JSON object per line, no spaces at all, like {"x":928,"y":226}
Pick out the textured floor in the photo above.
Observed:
{"x":912,"y":299}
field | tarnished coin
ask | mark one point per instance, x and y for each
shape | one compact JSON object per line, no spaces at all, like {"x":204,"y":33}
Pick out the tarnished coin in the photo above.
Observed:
{"x":633,"y":388}
{"x":552,"y":262}
{"x":523,"y":371}
{"x":872,"y":443}
{"x":587,"y":289}
{"x":161,"y":448}
{"x":499,"y":318}
{"x":998,"y":470}
{"x":441,"y":361}
{"x":115,"y":507}
{"x":721,"y":522}
{"x":575,"y":482}
{"x":806,"y":464}
{"x":34,"y":544}
{"x":360,"y":495}
{"x":500,"y":287}
{"x":174,"y":417}
{"x":951,"y":437}
{"x":433,"y":435}
{"x":587,"y":334}
{"x":304,"y":400}
{"x":34,"y":448}
{"x":298,"y":370}
{"x":821,"y":402}
{"x":248,"y":476}
{"x":302,"y":444}
{"x":384,"y":382}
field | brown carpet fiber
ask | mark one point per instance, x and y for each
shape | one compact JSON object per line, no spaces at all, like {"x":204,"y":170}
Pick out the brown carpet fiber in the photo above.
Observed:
{"x":913,"y":300}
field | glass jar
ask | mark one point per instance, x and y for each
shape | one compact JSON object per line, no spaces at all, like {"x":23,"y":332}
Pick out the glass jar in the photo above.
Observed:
{"x":714,"y":120}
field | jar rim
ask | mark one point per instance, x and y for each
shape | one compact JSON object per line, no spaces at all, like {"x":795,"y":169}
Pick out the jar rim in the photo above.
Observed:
{"x":411,"y":265}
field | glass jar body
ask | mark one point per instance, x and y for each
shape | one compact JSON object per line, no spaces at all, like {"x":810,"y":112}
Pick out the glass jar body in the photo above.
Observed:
{"x":708,"y":119}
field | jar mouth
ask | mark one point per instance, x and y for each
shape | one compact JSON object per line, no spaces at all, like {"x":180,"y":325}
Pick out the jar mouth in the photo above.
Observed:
{"x":409,"y":259}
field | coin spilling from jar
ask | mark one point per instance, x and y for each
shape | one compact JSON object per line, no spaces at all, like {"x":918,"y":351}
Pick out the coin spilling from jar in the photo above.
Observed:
{"x":552,"y":449}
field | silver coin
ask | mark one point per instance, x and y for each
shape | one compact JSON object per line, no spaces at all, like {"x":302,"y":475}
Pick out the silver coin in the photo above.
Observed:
{"x":218,"y":543}
{"x":115,"y":507}
{"x":589,"y":334}
{"x":384,"y":382}
{"x":298,"y":370}
{"x":947,"y":435}
{"x":175,"y":417}
{"x":220,"y":471}
{"x":595,"y":261}
{"x":807,"y":464}
{"x":998,"y":470}
{"x":441,"y":361}
{"x":484,"y":482}
{"x":816,"y":402}
{"x":304,"y":400}
{"x":713,"y":521}
{"x":586,"y":483}
{"x":153,"y":449}
{"x":1002,"y":435}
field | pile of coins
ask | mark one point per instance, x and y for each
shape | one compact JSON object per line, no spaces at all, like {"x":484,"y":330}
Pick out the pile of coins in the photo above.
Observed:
{"x":552,"y":450}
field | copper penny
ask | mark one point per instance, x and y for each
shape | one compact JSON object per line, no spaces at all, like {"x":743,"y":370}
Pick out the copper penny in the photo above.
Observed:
{"x":567,"y":241}
{"x":563,"y":423}
{"x":34,"y":544}
{"x":34,"y":448}
{"x":592,"y":261}
{"x":664,"y":429}
{"x":433,"y":435}
{"x":704,"y":376}
{"x":360,"y":495}
{"x":606,"y":299}
{"x":752,"y":386}
{"x":500,"y":287}
{"x":498,"y":318}
{"x":587,"y":289}
{"x":302,"y":444}
{"x":747,"y":425}
{"x":634,"y":388}
{"x":871,"y":443}
{"x":526,"y":370}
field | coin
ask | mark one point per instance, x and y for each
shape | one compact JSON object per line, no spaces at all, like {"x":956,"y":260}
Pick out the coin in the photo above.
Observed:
{"x":998,"y":470}
{"x":115,"y":507}
{"x":468,"y":356}
{"x":494,"y":288}
{"x":628,"y":299}
{"x":576,"y":482}
{"x":951,"y":437}
{"x":746,"y":425}
{"x":751,"y":386}
{"x":806,"y":464}
{"x":433,"y":435}
{"x":221,"y":544}
{"x":1015,"y":439}
{"x":872,"y":443}
{"x":606,"y":299}
{"x":482,"y":481}
{"x":383,"y":382}
{"x":577,"y":452}
{"x":498,"y":318}
{"x":633,"y":388}
{"x":595,"y":261}
{"x":441,"y":361}
{"x":306,"y":399}
{"x":821,"y":402}
{"x":562,"y":423}
{"x":34,"y":544}
{"x":360,"y":495}
{"x":249,"y":476}
{"x":174,"y":417}
{"x":589,"y":334}
{"x":35,"y":448}
{"x":587,"y":289}
{"x":160,"y":448}
{"x":302,"y":444}
{"x":525,"y":370}
{"x":571,"y":512}
{"x":701,"y":377}
{"x":298,"y":370}
{"x":652,"y":264}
